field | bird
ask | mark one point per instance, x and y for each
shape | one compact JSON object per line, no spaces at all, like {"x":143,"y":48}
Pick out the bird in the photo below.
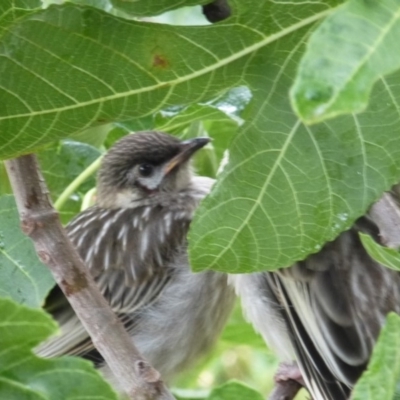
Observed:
{"x":325,"y":312}
{"x":134,"y":243}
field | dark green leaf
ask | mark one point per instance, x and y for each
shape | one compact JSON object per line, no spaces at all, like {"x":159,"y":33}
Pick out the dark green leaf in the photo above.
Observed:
{"x":379,"y":381}
{"x":127,"y":78}
{"x":288,"y":188}
{"x":347,"y":54}
{"x":22,"y":276}
{"x":25,"y":376}
{"x":13,"y":10}
{"x":5,"y":187}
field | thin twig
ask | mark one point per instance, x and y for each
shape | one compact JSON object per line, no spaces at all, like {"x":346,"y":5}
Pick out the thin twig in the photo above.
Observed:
{"x":288,"y":382}
{"x":74,"y":185}
{"x":41,"y":223}
{"x":285,"y":390}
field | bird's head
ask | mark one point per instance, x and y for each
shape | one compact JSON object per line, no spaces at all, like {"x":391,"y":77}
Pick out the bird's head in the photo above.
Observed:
{"x":145,"y":164}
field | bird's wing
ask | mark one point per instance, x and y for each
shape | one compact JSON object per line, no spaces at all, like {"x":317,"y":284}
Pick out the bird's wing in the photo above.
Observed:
{"x":129,"y":253}
{"x":128,"y":250}
{"x":335,"y":303}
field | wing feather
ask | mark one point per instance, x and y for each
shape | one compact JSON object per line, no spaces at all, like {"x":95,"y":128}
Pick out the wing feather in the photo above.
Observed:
{"x":335,"y":303}
{"x":120,"y":253}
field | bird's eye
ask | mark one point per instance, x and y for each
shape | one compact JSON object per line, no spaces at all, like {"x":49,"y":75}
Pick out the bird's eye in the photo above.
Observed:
{"x":146,"y":170}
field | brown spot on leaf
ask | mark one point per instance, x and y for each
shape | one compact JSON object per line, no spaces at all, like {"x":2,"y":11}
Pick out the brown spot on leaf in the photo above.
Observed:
{"x":160,"y":61}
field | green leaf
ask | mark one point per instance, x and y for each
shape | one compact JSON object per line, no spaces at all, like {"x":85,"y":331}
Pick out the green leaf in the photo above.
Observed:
{"x":94,"y":136}
{"x":5,"y":187}
{"x":145,"y":77}
{"x":286,"y":189}
{"x":379,"y":381}
{"x":143,"y":8}
{"x":234,"y":391}
{"x":101,"y":4}
{"x":202,"y":120}
{"x":238,"y":332}
{"x":121,"y":82}
{"x":346,"y":55}
{"x":175,"y":122}
{"x":22,"y":276}
{"x":61,"y":163}
{"x":13,"y":10}
{"x":26,"y":376}
{"x":388,"y":257}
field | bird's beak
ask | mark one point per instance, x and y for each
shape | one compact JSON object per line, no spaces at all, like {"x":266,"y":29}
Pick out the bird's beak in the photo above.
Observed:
{"x":188,"y":148}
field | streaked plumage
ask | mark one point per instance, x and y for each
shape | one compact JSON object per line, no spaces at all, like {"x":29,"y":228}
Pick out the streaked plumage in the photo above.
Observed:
{"x":134,"y":243}
{"x":326,"y":311}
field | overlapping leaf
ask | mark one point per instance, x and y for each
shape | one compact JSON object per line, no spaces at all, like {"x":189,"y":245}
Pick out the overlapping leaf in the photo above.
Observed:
{"x":346,"y":55}
{"x":381,"y":379}
{"x":22,"y":276}
{"x":388,"y":257}
{"x":26,"y":376}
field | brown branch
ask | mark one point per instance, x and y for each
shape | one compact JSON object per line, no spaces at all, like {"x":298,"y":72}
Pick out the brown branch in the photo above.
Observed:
{"x":288,"y":382}
{"x":41,"y":223}
{"x":285,"y":390}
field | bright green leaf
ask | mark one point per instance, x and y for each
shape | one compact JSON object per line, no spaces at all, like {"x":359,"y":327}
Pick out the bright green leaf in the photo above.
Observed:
{"x":379,"y":381}
{"x":25,"y":376}
{"x":346,"y":55}
{"x":239,"y":332}
{"x":234,"y":391}
{"x":22,"y":276}
{"x":94,"y":136}
{"x":384,"y":255}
